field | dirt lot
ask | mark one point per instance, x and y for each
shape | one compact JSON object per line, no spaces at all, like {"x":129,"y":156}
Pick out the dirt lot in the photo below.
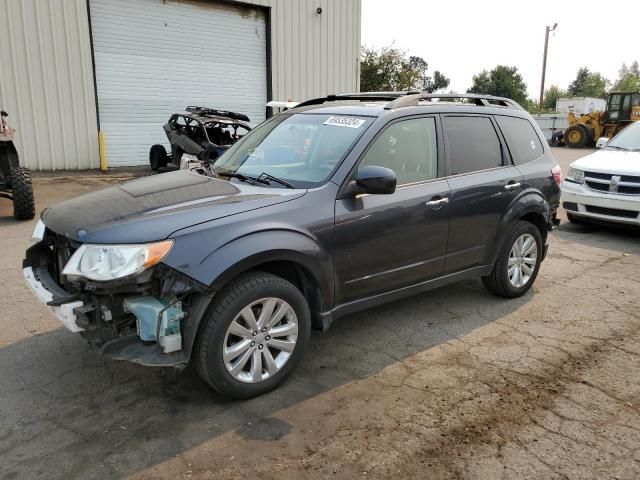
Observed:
{"x":454,"y":383}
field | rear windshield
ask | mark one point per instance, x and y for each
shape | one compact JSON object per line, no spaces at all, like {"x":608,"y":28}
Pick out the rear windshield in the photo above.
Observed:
{"x":302,"y":149}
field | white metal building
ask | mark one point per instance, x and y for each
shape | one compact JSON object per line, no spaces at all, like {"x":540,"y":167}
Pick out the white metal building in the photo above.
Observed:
{"x":71,"y":67}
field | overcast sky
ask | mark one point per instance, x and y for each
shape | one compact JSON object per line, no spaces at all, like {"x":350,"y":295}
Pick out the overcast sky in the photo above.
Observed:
{"x":461,"y":38}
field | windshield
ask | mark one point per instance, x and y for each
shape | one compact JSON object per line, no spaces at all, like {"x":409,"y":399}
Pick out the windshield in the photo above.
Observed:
{"x":627,"y":139}
{"x":300,"y":149}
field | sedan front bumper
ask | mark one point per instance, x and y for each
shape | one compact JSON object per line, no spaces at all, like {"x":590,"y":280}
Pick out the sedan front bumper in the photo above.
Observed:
{"x":581,"y":201}
{"x":36,"y":281}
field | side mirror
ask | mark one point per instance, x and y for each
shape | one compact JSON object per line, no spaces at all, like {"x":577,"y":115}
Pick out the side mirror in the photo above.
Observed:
{"x":373,"y":180}
{"x":602,"y":141}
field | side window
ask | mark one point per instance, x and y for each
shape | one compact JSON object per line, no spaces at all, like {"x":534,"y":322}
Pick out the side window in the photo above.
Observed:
{"x":472,"y":143}
{"x":524,"y":143}
{"x":408,"y":148}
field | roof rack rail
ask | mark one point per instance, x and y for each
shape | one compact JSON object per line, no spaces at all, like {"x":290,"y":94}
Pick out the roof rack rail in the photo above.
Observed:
{"x":217,"y":113}
{"x":480,"y":100}
{"x":360,"y":96}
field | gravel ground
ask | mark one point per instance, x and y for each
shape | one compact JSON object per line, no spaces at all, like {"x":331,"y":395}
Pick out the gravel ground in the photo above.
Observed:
{"x":454,"y":383}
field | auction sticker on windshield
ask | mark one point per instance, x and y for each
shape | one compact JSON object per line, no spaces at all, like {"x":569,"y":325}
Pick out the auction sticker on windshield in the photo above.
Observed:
{"x":349,"y":122}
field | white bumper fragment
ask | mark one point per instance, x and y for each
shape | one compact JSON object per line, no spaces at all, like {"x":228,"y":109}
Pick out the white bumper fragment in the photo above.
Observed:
{"x":64,"y":312}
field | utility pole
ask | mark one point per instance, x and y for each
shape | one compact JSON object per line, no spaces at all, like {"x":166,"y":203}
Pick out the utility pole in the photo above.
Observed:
{"x":544,"y":59}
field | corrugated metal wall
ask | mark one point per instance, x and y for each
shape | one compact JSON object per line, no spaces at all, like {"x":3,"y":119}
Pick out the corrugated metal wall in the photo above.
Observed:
{"x":314,"y":54}
{"x":46,"y":82}
{"x":46,"y":76}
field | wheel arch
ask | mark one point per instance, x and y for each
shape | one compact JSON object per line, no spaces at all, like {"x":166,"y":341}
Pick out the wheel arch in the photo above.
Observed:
{"x":531,"y":207}
{"x":303,"y":263}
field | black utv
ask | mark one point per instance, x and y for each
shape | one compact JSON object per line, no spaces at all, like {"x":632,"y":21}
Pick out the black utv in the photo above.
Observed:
{"x":15,"y":181}
{"x":202,"y":133}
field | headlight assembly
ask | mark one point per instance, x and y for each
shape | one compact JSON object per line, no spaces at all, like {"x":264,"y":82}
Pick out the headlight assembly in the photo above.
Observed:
{"x":110,"y":262}
{"x":575,"y":175}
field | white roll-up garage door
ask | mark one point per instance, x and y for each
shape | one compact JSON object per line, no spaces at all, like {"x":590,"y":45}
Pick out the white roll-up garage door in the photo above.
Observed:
{"x":154,"y":57}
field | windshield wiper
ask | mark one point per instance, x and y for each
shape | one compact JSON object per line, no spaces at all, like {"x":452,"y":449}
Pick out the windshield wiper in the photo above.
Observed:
{"x":239,"y":176}
{"x":265,"y":177}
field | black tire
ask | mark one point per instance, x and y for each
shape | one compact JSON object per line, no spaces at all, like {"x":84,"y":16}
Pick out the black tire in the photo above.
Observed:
{"x":498,"y":281}
{"x":227,"y":304}
{"x":576,"y":136}
{"x":22,"y":192}
{"x":158,"y":157}
{"x":575,"y":219}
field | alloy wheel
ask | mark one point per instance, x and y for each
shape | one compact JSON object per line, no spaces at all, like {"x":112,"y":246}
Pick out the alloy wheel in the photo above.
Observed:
{"x":260,"y":340}
{"x":523,"y":258}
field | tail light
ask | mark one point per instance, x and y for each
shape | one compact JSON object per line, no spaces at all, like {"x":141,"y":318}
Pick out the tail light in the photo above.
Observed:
{"x":557,"y":174}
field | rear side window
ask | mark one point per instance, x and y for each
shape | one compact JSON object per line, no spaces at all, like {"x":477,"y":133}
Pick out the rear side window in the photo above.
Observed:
{"x":472,"y":143}
{"x":524,"y":143}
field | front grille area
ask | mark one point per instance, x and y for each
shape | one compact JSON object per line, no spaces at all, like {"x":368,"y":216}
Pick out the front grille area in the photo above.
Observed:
{"x":61,"y":248}
{"x":613,"y":212}
{"x":610,"y":183}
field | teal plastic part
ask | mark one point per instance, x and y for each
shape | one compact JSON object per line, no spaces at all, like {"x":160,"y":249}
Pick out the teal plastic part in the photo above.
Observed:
{"x":151,"y":310}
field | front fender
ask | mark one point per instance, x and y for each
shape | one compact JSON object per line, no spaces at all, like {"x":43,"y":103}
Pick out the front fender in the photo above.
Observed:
{"x":528,"y":202}
{"x":247,"y":252}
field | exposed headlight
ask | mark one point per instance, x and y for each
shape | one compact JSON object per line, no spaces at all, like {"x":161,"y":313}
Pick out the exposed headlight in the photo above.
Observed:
{"x":575,"y":175}
{"x":38,"y":232}
{"x":109,"y":262}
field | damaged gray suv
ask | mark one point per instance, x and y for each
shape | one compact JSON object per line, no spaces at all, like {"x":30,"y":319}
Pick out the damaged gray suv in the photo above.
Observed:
{"x":340,"y":204}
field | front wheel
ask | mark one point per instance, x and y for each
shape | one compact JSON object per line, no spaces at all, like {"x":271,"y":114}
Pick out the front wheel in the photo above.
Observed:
{"x":518,"y":262}
{"x":22,"y":193}
{"x":254,"y":335}
{"x":576,"y":136}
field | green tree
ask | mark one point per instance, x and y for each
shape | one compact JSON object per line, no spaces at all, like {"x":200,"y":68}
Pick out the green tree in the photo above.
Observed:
{"x":551,"y":96}
{"x":503,"y":81}
{"x":588,"y":84}
{"x":628,"y":78}
{"x":390,"y":69}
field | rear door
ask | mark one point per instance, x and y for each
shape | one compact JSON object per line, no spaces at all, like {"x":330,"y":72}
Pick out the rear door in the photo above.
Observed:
{"x":483,"y":185}
{"x":386,"y":242}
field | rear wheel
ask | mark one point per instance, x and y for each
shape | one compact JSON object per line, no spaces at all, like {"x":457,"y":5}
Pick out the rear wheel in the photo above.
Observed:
{"x":518,"y":262}
{"x":576,"y":136}
{"x":253,"y":336}
{"x":22,"y":192}
{"x":158,"y":157}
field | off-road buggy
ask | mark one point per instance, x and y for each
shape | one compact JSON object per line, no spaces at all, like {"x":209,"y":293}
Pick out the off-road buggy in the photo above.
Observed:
{"x":198,"y":137}
{"x":15,"y":181}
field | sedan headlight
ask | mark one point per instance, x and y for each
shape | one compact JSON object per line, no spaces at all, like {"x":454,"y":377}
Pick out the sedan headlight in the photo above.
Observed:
{"x":575,"y":175}
{"x":109,"y":262}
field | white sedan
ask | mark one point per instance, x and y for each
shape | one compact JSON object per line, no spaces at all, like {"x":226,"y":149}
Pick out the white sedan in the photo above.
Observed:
{"x":605,"y":185}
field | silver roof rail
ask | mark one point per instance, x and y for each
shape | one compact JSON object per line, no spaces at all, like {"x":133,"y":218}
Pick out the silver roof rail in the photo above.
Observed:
{"x":479,"y":99}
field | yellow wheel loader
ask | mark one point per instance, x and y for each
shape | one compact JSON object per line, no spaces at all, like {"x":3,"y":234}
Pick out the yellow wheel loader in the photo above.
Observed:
{"x":584,"y":130}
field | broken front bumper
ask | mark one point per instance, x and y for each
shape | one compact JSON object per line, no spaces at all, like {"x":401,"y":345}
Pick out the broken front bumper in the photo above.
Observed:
{"x":53,"y":296}
{"x":67,"y":308}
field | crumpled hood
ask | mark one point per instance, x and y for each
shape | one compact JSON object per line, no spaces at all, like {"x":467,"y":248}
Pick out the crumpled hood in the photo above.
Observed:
{"x":616,"y":162}
{"x":154,"y":207}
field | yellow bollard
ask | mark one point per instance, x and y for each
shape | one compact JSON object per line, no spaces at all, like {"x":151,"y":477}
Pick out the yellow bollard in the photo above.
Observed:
{"x":103,"y":151}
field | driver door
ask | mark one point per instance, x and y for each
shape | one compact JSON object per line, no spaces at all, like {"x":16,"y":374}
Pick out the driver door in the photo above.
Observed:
{"x":387,"y":242}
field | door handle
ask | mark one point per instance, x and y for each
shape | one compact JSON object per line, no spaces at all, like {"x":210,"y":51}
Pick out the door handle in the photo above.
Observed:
{"x":436,"y":204}
{"x":512,"y":186}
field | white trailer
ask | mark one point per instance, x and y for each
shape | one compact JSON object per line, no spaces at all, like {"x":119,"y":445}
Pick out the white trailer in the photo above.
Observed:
{"x":580,"y":105}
